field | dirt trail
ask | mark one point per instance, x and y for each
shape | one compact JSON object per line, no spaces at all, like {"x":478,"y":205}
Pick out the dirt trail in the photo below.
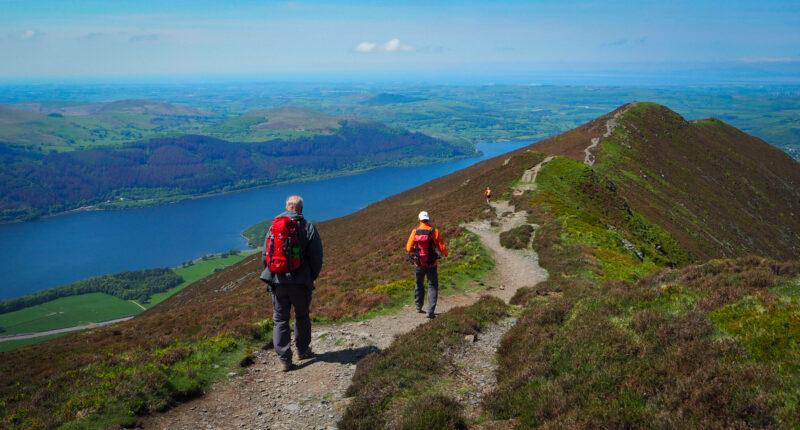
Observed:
{"x":63,"y":330}
{"x":312,"y":396}
{"x":611,"y":125}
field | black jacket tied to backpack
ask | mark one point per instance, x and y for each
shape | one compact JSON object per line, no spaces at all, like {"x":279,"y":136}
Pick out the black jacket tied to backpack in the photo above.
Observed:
{"x":311,"y":251}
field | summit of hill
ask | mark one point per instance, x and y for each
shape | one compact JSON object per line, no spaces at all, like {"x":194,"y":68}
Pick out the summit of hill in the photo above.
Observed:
{"x":293,"y":118}
{"x":719,"y":191}
{"x":664,"y":239}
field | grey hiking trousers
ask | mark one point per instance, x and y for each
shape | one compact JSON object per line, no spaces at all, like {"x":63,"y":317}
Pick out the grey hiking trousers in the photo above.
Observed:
{"x":433,"y":287}
{"x":283,"y":298}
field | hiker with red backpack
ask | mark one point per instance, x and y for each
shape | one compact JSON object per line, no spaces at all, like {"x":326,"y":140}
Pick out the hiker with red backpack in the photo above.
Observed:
{"x":421,"y":248}
{"x":292,"y":259}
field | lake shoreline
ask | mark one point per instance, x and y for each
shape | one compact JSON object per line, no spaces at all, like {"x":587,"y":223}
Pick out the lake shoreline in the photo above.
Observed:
{"x":145,"y":203}
{"x":106,"y":241}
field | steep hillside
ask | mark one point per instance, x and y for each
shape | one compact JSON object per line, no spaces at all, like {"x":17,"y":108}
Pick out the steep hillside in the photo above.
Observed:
{"x":590,"y":221}
{"x":614,"y":338}
{"x":718,"y":191}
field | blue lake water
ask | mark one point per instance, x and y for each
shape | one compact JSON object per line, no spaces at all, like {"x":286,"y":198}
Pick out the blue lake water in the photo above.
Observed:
{"x":63,"y":249}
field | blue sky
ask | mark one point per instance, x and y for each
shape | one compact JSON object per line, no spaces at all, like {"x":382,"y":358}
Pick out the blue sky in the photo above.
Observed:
{"x":47,"y":39}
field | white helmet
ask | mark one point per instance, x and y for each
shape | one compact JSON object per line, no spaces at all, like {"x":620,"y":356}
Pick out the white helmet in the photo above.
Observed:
{"x":423,"y":216}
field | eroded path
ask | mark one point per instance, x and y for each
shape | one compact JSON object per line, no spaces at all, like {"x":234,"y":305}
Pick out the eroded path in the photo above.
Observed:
{"x":312,"y":396}
{"x":611,"y":125}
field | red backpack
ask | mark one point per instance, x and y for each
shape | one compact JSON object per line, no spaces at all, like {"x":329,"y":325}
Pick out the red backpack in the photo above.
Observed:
{"x":281,"y":247}
{"x":423,"y":253}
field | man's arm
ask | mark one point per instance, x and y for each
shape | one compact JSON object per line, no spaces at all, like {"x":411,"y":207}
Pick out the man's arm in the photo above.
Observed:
{"x":437,"y":237}
{"x":410,"y":243}
{"x":314,"y":251}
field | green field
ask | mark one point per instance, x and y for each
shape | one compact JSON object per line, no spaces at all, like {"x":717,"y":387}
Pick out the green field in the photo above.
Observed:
{"x":67,"y":312}
{"x":96,"y":307}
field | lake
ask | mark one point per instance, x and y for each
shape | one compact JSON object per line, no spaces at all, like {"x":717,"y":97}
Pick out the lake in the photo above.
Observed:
{"x":59,"y":250}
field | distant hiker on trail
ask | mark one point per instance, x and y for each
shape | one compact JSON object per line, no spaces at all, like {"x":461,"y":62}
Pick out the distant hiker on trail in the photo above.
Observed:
{"x":488,"y":194}
{"x":421,"y":246}
{"x":292,"y":261}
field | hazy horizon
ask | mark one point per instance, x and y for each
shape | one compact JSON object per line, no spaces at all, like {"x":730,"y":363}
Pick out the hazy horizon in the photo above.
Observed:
{"x":539,"y":42}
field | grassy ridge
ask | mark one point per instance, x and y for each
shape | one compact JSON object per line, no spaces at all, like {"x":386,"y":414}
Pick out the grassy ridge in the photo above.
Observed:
{"x":625,"y":333}
{"x":703,"y":346}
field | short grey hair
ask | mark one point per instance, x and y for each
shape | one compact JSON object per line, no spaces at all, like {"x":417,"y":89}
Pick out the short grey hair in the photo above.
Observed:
{"x":295,"y":202}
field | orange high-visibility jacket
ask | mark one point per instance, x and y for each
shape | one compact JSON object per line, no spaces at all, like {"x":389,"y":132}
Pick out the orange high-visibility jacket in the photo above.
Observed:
{"x":437,"y":239}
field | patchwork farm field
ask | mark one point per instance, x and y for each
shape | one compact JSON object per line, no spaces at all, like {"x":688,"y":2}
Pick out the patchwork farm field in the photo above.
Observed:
{"x":67,"y":312}
{"x":96,"y":307}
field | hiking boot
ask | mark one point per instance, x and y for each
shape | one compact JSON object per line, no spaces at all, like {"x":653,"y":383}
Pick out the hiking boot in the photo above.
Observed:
{"x":420,"y":311}
{"x":306,"y":354}
{"x":285,"y":367}
{"x":431,"y":315}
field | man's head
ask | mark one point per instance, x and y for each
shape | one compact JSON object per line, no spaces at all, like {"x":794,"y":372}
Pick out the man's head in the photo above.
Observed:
{"x":294,"y":203}
{"x":423,"y":216}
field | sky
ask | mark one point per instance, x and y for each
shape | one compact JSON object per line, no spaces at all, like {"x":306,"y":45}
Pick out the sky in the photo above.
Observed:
{"x":50,"y":39}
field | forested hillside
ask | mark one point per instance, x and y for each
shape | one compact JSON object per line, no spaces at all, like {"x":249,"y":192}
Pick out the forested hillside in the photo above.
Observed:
{"x":33,"y":184}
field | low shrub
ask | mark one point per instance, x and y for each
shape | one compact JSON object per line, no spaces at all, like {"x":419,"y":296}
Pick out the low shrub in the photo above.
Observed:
{"x":399,"y":375}
{"x":517,"y":237}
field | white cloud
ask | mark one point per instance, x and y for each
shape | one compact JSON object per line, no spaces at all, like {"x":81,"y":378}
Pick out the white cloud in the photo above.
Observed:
{"x":29,"y":34}
{"x":365,"y":47}
{"x":393,"y":45}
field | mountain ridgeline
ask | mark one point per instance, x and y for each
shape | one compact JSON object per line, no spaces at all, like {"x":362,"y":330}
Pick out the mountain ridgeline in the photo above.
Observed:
{"x":718,"y":191}
{"x":158,"y":169}
{"x":633,"y":327}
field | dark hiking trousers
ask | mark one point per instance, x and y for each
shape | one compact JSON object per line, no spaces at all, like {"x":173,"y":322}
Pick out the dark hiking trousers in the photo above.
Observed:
{"x":283,"y":298}
{"x":433,"y":287}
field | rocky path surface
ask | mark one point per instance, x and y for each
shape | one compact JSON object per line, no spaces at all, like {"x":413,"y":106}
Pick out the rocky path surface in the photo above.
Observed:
{"x":611,"y":125}
{"x":312,"y":396}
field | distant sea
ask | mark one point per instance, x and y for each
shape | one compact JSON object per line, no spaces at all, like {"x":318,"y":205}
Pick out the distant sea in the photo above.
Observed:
{"x":55,"y":251}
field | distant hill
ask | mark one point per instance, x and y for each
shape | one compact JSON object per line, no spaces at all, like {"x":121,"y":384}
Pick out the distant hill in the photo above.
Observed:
{"x":131,"y":106}
{"x":164,"y":168}
{"x":68,"y":126}
{"x":386,"y":98}
{"x":293,"y":118}
{"x":608,"y":341}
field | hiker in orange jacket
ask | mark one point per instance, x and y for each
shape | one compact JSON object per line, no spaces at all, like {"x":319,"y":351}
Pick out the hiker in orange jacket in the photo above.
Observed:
{"x":421,"y":246}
